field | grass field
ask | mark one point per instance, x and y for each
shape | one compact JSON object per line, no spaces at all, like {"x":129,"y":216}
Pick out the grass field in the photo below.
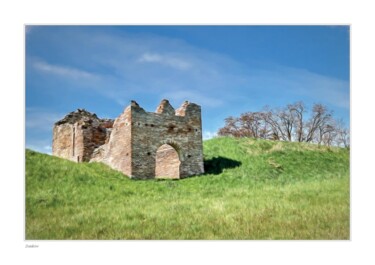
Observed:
{"x":253,"y":189}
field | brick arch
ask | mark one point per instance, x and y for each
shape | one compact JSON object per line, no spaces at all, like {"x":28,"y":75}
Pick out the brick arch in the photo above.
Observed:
{"x":176,"y":147}
{"x":167,"y":162}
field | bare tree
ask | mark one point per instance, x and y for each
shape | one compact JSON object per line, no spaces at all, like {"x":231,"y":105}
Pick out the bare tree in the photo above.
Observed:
{"x":289,"y":124}
{"x":285,"y":122}
{"x":299,"y":109}
{"x":231,"y":127}
{"x":320,"y":117}
{"x":342,"y":134}
{"x":272,"y":118}
{"x":251,"y":124}
{"x":327,"y":134}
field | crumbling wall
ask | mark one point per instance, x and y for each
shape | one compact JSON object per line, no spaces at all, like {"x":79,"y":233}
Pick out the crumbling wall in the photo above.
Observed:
{"x":117,"y":152}
{"x":130,"y":143}
{"x":63,"y":139}
{"x":78,"y":134}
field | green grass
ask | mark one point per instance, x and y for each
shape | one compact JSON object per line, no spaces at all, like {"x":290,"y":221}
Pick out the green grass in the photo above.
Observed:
{"x":254,"y":189}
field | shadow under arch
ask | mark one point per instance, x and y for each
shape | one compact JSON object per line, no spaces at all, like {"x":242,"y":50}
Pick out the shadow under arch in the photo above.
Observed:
{"x":216,"y":165}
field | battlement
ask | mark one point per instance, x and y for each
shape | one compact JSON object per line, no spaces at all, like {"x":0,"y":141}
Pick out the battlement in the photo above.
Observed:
{"x":187,"y":109}
{"x":132,"y":141}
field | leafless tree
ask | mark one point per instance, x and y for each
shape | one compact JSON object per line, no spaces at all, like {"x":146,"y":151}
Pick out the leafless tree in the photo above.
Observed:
{"x":342,"y":134}
{"x":299,"y":110}
{"x":284,"y":119}
{"x":231,"y":127}
{"x":327,"y":134}
{"x":287,"y":121}
{"x":272,"y":118}
{"x":251,"y":124}
{"x":289,"y":124}
{"x":320,"y":117}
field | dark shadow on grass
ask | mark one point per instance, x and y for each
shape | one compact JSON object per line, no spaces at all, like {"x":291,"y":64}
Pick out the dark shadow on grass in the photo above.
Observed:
{"x":216,"y":165}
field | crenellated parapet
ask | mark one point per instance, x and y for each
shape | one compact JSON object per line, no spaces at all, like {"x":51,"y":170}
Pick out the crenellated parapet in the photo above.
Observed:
{"x":187,"y":109}
{"x":165,"y":108}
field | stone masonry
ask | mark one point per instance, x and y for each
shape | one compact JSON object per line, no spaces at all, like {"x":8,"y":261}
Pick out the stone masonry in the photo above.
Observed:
{"x":143,"y":145}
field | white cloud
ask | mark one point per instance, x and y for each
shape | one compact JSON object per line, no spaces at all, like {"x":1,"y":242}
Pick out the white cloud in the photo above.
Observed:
{"x":42,"y":145}
{"x":205,"y":99}
{"x":40,"y":119}
{"x":303,"y":84}
{"x":62,"y":70}
{"x":140,"y":66}
{"x":39,"y":125}
{"x":208,"y":135}
{"x":168,"y":60}
{"x":147,"y":57}
{"x":47,"y":147}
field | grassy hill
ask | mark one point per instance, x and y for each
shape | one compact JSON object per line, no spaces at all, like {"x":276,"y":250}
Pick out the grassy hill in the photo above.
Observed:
{"x":253,"y":189}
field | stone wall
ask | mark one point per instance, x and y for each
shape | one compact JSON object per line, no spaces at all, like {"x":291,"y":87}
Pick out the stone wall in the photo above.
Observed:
{"x":117,"y":152}
{"x":78,"y":134}
{"x":63,"y":139}
{"x":131,"y":143}
{"x":180,"y":129}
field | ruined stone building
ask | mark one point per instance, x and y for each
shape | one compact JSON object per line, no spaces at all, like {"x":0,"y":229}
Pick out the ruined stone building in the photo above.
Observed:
{"x":162,"y":144}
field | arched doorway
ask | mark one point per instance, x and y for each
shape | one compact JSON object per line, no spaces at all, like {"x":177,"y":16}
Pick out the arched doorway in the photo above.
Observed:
{"x":167,"y":162}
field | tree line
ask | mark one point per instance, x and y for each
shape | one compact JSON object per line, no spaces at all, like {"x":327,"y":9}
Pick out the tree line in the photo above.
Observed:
{"x":293,"y":123}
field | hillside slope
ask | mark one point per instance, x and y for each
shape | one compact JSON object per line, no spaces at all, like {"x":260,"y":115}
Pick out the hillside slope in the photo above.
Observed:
{"x":252,"y":189}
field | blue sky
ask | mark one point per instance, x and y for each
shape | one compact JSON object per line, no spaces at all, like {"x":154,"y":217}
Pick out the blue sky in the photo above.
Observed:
{"x":227,"y":70}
